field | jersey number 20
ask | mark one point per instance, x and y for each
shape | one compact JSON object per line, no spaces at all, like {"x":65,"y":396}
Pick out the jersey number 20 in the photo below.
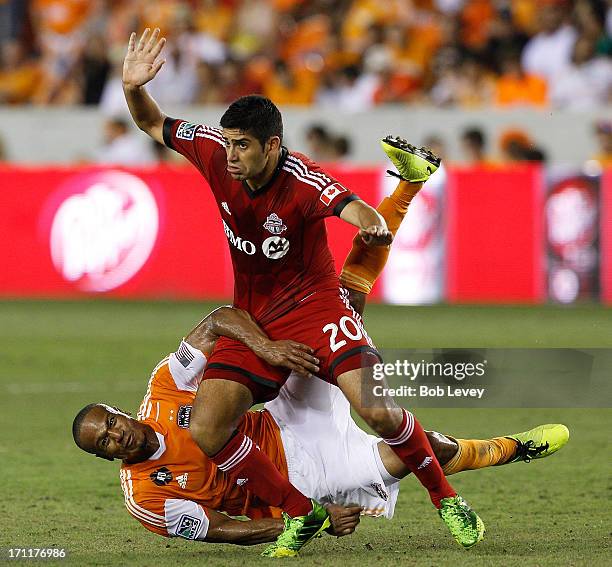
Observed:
{"x":349,"y":329}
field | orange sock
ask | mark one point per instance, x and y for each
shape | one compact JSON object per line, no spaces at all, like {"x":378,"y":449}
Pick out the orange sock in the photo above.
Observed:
{"x":480,"y":453}
{"x":365,"y":263}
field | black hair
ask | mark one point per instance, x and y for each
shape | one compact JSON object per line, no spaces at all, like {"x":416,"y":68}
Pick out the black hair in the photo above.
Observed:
{"x":475,"y":136}
{"x":255,"y":114}
{"x":319,"y":131}
{"x":76,"y":426}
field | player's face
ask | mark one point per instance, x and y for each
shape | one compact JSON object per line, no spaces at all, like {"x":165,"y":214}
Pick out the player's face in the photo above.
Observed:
{"x":246,"y":158}
{"x":110,"y":433}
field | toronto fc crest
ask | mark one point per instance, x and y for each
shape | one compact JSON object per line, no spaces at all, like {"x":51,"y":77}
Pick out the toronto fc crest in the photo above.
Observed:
{"x":274,"y":224}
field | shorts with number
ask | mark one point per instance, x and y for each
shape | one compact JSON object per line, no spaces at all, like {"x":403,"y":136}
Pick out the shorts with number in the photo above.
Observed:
{"x":328,"y":457}
{"x":324,"y":321}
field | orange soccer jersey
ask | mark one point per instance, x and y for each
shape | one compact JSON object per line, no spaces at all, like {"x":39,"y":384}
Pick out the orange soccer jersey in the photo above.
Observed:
{"x":169,"y":492}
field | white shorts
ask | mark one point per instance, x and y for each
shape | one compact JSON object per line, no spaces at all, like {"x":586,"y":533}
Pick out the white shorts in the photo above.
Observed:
{"x":329,"y":457}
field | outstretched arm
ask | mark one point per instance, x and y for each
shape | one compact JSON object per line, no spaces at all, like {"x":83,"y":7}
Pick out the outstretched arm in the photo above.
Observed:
{"x":239,"y":325}
{"x":372,"y":226}
{"x":140,"y":65}
{"x":223,"y":529}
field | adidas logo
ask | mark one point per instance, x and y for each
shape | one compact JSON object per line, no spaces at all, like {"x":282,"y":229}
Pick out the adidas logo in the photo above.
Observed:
{"x":182,"y":480}
{"x":426,"y":461}
{"x":242,"y":481}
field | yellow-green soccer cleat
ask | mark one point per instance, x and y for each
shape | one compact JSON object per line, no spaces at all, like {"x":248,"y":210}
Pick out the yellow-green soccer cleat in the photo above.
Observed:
{"x":464,"y":524}
{"x":298,"y":532}
{"x":414,"y":164}
{"x":539,"y":442}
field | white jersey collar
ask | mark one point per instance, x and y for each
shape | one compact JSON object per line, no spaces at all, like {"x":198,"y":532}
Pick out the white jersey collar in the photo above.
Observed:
{"x":162,"y":447}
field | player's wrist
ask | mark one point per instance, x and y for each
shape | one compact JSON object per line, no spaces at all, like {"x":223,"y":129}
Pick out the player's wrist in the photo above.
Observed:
{"x":259,"y":345}
{"x":131,"y":87}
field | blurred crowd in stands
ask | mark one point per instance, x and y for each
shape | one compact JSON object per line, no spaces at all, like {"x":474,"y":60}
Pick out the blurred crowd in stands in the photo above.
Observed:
{"x":348,"y":54}
{"x":122,"y":145}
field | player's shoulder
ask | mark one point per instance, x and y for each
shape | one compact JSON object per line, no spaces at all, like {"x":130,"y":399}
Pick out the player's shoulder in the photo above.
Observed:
{"x":143,"y":503}
{"x":180,"y":371}
{"x":161,"y":375}
{"x":307,"y":172}
{"x":304,"y":163}
{"x":192,"y":131}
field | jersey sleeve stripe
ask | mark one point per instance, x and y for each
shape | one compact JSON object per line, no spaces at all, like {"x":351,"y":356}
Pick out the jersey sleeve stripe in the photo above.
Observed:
{"x":135,"y":511}
{"x":308,"y":171}
{"x":213,"y":137}
{"x":140,"y":513}
{"x":319,"y":178}
{"x":144,"y":405}
{"x":304,"y":172}
{"x":301,"y":178}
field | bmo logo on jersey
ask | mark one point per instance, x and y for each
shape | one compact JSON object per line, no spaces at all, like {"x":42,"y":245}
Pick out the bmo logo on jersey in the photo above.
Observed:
{"x":245,"y":246}
{"x":102,"y":227}
{"x":275,"y":247}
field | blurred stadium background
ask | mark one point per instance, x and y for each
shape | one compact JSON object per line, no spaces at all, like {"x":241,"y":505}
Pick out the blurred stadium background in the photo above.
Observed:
{"x":515,"y":95}
{"x":112,"y":249}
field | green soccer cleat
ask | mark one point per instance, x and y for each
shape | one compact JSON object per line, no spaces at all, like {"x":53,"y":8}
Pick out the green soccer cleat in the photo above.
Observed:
{"x":539,"y":442}
{"x":464,"y":524}
{"x":298,"y":532}
{"x":414,"y":164}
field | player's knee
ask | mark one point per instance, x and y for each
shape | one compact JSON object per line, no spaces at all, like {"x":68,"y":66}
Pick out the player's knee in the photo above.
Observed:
{"x":210,"y":437}
{"x":384,"y":421}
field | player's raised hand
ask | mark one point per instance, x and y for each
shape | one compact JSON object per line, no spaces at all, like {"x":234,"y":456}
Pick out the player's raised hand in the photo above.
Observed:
{"x":291,"y":355}
{"x":376,"y":236}
{"x":141,"y":61}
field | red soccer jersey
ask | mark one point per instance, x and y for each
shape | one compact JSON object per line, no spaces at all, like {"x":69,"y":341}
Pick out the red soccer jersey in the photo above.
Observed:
{"x":277,"y":235}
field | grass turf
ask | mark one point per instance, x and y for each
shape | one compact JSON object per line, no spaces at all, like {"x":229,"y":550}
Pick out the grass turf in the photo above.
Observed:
{"x":58,"y":356}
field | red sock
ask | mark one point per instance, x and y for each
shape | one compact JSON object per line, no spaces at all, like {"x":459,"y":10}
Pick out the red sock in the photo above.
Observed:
{"x":243,"y":458}
{"x":411,"y":445}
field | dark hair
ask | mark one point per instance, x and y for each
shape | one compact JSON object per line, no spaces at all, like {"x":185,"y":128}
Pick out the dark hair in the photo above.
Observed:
{"x":342,"y":146}
{"x":474,"y":136}
{"x":255,"y":114}
{"x":78,"y":422}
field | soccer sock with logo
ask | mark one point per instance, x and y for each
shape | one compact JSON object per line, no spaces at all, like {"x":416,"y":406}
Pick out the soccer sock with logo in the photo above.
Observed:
{"x":411,"y":445}
{"x":365,"y":263}
{"x":480,"y":453}
{"x":242,"y":458}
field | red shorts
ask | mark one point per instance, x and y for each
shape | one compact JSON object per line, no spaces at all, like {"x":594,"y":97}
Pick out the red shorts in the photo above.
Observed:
{"x":324,"y":321}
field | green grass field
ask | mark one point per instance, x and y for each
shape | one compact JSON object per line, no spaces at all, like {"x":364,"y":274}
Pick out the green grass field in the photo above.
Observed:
{"x":56,"y":357}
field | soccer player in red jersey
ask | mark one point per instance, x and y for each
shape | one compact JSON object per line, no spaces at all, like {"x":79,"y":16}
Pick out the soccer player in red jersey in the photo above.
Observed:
{"x":273,"y":204}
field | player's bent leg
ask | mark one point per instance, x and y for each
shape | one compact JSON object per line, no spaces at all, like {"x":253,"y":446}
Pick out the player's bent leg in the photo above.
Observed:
{"x":217,"y":409}
{"x":398,"y":428}
{"x":444,"y":448}
{"x":364,"y":263}
{"x":537,"y":443}
{"x":405,"y":436}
